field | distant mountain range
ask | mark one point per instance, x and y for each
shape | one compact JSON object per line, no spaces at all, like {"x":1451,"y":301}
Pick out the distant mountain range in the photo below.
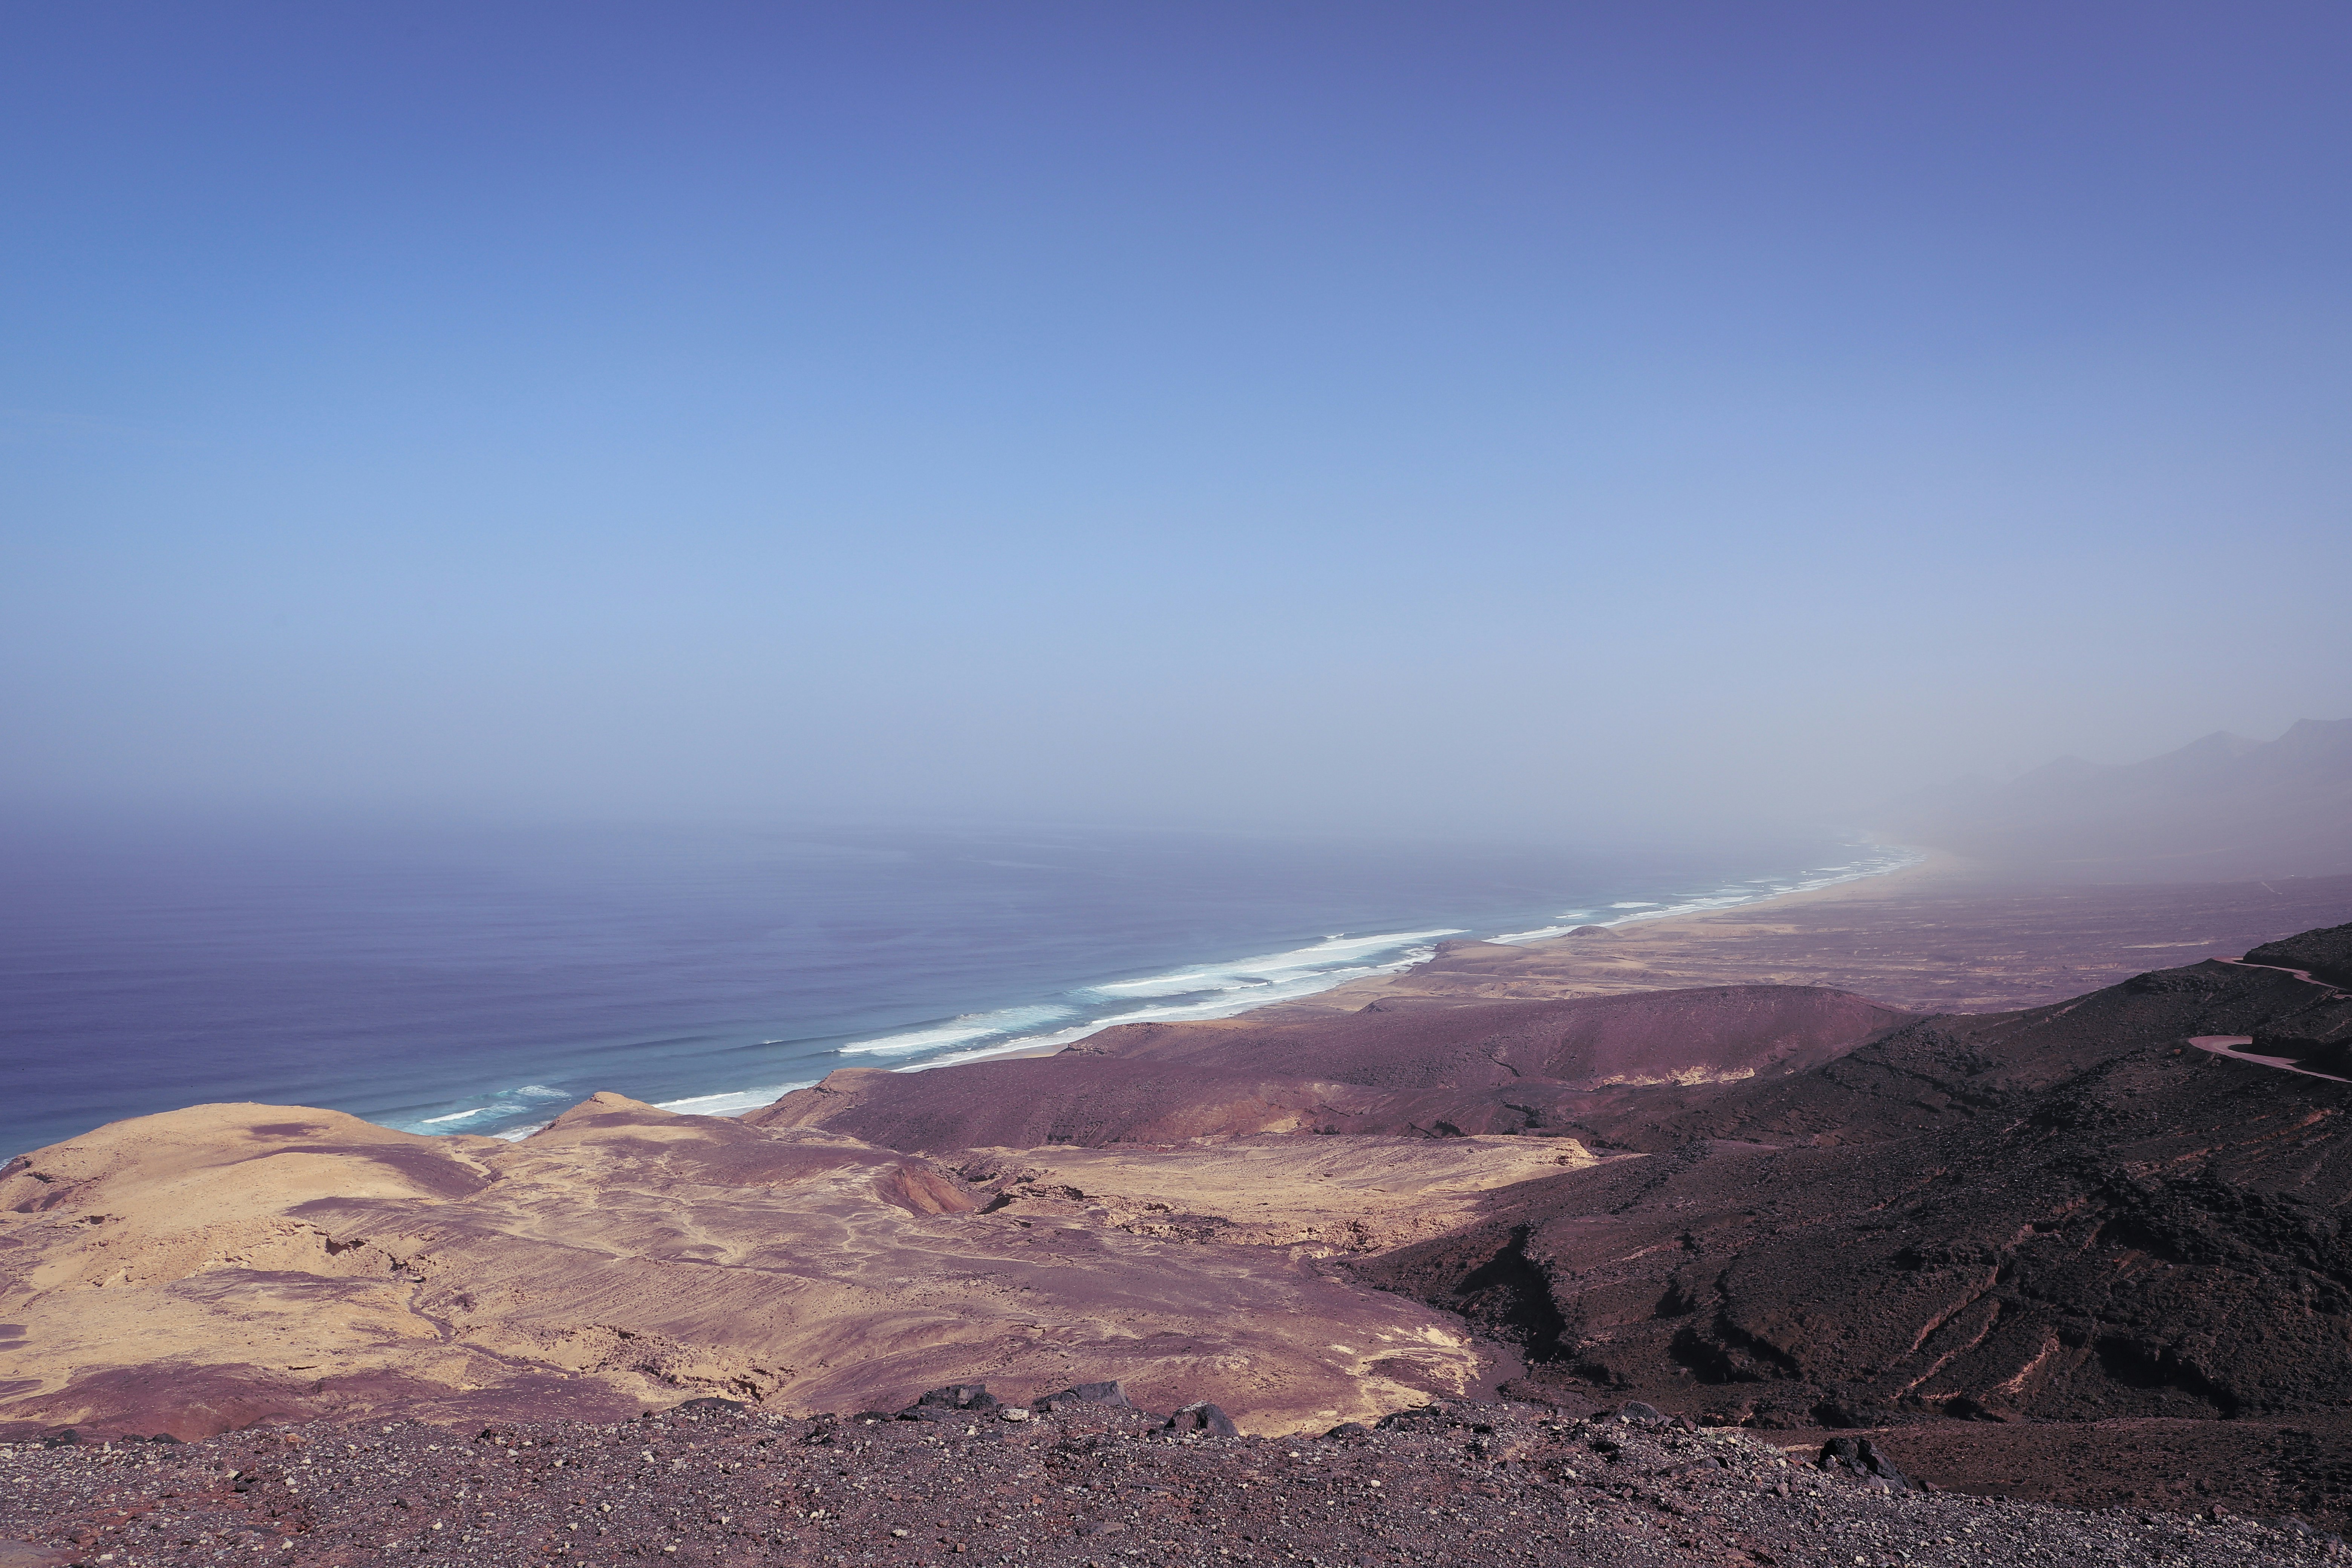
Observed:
{"x":2223,"y":806}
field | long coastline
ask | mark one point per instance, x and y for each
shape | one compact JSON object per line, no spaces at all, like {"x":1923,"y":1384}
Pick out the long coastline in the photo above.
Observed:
{"x":1944,"y":935}
{"x":1923,"y":865}
{"x":1940,"y":934}
{"x":1929,"y":932}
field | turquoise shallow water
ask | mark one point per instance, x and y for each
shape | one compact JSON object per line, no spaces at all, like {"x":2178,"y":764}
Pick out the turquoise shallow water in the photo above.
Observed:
{"x":478,"y":981}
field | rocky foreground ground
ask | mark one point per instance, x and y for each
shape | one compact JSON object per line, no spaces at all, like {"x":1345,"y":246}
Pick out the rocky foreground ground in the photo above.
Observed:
{"x":1453,"y":1483}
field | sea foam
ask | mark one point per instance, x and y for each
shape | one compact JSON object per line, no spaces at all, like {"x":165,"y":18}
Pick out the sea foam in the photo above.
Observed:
{"x":733,"y":1102}
{"x":1271,"y":969}
{"x":1223,"y":991}
{"x":503,"y":1103}
{"x":957,"y":1030}
{"x":1216,"y":989}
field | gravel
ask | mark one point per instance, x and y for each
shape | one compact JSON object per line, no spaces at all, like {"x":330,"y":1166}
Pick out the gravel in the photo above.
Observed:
{"x":1458,"y":1483}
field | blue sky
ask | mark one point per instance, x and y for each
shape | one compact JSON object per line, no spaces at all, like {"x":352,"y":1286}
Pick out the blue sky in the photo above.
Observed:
{"x":1496,"y":418}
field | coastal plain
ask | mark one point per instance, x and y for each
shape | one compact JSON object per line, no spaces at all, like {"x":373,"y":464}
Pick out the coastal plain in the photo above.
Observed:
{"x":1946,"y":935}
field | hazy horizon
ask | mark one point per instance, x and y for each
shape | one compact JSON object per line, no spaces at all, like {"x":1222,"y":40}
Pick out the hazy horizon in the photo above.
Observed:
{"x":1502,"y":422}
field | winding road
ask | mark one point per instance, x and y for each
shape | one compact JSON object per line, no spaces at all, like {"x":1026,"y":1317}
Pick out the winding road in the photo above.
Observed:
{"x":2227,"y":1045}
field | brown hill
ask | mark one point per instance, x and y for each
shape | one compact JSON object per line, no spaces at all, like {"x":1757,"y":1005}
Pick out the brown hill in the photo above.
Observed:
{"x":1423,"y":1068}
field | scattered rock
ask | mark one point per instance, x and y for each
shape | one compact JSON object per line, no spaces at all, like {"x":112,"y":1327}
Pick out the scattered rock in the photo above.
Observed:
{"x":1860,"y":1457}
{"x":1206,"y":1419}
{"x":1099,"y":1478}
{"x":955,"y":1402}
{"x":1112,"y":1394}
{"x":958,"y":1395}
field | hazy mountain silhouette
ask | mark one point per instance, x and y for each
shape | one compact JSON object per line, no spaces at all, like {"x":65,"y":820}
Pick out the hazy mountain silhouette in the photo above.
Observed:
{"x":2223,"y":806}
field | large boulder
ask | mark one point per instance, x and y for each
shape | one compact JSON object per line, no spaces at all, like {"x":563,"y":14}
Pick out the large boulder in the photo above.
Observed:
{"x":954,"y":1402}
{"x":1858,"y":1457}
{"x":1204,"y":1419}
{"x":1112,"y":1394}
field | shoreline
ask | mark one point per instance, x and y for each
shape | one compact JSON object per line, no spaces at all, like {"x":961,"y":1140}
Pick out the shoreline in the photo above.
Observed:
{"x":1931,"y":866}
{"x":1942,"y":934}
{"x":738,"y":1102}
{"x":1946,"y":935}
{"x":1368,"y":986}
{"x":1936,"y":934}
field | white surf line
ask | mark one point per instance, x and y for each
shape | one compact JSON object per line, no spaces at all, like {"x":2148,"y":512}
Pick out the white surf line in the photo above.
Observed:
{"x":1314,"y":983}
{"x":1713,"y":903}
{"x":1237,"y":1001}
{"x":733,"y":1101}
{"x":1288,"y":976}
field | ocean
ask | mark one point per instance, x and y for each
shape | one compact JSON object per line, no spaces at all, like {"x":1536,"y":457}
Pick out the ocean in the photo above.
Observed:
{"x":481,"y":979}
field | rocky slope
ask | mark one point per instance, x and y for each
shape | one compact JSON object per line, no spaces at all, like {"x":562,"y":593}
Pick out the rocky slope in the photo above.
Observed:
{"x":2063,"y":1213}
{"x":1466,"y":1484}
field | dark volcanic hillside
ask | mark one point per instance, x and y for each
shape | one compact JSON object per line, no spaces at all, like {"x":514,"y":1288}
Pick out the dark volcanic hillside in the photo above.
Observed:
{"x":2323,"y":955}
{"x":2067,"y":1213}
{"x":1430,"y":1068}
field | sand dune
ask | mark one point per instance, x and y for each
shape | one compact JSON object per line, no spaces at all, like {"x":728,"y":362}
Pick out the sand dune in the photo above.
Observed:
{"x":214,"y":1266}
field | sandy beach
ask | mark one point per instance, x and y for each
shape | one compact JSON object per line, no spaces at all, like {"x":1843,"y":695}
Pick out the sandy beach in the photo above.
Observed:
{"x":1944,"y":935}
